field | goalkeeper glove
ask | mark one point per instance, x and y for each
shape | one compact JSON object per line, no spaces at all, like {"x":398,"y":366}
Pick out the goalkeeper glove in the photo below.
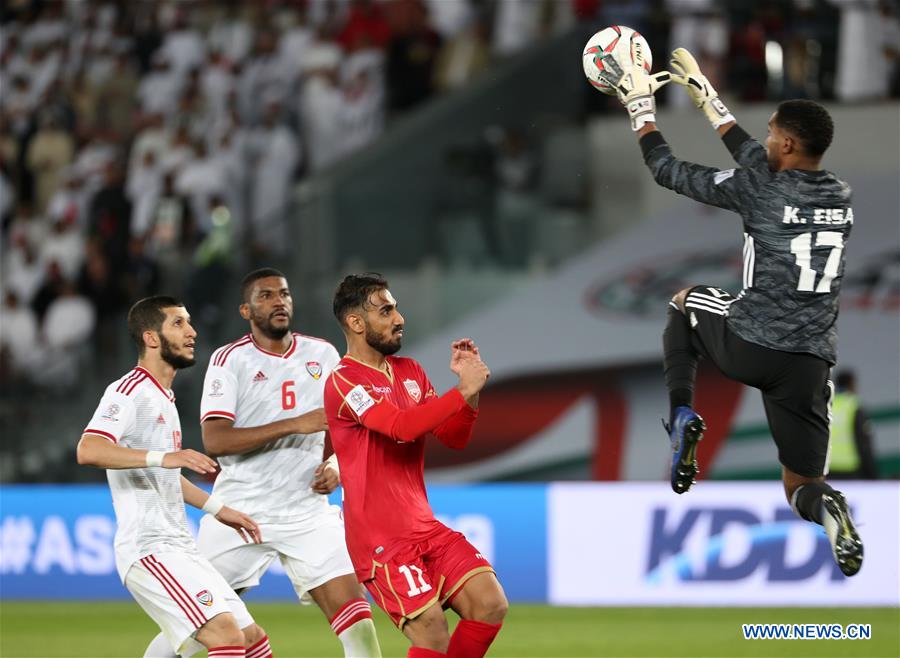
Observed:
{"x":635,"y":89}
{"x":687,"y":73}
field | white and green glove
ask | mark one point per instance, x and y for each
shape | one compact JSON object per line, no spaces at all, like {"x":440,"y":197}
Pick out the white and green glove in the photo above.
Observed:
{"x":687,"y":72}
{"x":635,"y":88}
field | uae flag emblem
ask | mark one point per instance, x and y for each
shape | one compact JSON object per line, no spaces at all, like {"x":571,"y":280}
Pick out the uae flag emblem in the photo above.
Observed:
{"x":314,"y":368}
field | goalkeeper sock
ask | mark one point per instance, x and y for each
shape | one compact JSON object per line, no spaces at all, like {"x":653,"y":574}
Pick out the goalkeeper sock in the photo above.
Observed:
{"x":159,"y":647}
{"x":354,"y":628}
{"x":807,"y":500}
{"x":472,"y":639}
{"x":679,"y":361}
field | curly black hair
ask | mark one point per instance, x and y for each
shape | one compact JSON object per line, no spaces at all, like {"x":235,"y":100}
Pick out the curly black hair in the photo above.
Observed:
{"x":808,"y":122}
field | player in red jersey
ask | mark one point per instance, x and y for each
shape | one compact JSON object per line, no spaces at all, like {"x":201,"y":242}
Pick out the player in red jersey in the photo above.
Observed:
{"x":379,"y":408}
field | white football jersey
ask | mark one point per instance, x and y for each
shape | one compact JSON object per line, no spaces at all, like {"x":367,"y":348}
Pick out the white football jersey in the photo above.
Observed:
{"x":136,"y":411}
{"x":254,"y":387}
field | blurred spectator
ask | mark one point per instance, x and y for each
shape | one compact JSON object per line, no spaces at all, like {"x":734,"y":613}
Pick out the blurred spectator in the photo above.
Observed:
{"x":18,"y":334}
{"x":701,"y":27}
{"x":464,"y":55}
{"x":851,"y":433}
{"x":23,"y":270}
{"x":365,"y":26}
{"x":869,"y":45}
{"x":276,"y":153}
{"x":117,"y":96}
{"x":64,"y":246}
{"x":321,"y":104}
{"x":411,"y":56}
{"x":515,"y":25}
{"x":362,"y":114}
{"x":49,"y":152}
{"x":110,"y":218}
{"x":67,"y":327}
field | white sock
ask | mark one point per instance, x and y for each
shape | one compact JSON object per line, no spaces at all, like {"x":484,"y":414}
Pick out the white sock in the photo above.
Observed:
{"x":360,"y":640}
{"x":159,"y":647}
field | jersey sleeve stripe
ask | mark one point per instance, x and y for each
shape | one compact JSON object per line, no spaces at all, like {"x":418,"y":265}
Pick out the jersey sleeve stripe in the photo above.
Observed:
{"x":226,"y":352}
{"x":217,"y":414}
{"x":105,"y":435}
{"x":175,"y":590}
{"x":127,"y":380}
{"x":128,"y":390}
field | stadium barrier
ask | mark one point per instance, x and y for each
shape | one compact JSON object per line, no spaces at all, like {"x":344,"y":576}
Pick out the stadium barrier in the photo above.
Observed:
{"x":563,"y":543}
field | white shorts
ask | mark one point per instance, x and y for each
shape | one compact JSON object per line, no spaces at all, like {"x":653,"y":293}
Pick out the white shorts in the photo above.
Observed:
{"x":312,"y":551}
{"x":181,"y":592}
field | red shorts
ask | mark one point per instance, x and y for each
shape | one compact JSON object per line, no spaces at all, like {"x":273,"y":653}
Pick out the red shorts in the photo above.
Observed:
{"x":416,"y":576}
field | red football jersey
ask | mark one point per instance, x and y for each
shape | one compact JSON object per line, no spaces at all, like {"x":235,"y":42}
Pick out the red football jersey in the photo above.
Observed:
{"x":378,"y":421}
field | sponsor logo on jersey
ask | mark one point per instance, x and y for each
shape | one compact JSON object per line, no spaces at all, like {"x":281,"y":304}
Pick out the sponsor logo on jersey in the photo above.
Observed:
{"x":160,"y":420}
{"x":722,"y":176}
{"x":205,"y":597}
{"x":359,"y":400}
{"x":412,"y":387}
{"x":215,"y":388}
{"x":259,"y":376}
{"x":314,"y":368}
{"x":382,"y":389}
{"x":111,"y":412}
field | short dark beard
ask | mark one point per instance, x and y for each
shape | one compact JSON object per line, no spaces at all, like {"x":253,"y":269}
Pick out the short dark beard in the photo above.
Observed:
{"x":266,"y":329}
{"x":175,"y":360}
{"x":376,"y":343}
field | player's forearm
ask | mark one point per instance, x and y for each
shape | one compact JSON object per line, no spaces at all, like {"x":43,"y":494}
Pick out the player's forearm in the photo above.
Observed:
{"x":410,"y":424}
{"x":221,"y":438}
{"x":192,"y":494}
{"x":97,"y":451}
{"x":456,"y":431}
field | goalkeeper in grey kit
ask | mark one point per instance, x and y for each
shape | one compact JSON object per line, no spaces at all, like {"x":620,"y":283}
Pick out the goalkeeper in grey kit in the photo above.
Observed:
{"x":779,"y":334}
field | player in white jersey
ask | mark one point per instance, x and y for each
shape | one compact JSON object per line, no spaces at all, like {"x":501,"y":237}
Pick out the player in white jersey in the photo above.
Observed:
{"x":262,"y":416}
{"x":135,"y":434}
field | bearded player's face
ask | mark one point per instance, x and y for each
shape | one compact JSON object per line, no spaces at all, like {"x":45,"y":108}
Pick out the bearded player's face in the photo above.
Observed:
{"x":176,"y":340}
{"x":384,"y":324}
{"x":271,"y":307}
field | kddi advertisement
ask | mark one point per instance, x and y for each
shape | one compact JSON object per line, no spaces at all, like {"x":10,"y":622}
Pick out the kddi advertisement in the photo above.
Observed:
{"x":733,"y":544}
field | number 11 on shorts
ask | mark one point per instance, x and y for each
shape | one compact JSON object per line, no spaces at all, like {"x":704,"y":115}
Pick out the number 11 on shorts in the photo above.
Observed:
{"x":414,"y":590}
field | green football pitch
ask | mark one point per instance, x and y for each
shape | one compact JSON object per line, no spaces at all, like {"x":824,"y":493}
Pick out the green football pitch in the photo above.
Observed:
{"x":97,"y":630}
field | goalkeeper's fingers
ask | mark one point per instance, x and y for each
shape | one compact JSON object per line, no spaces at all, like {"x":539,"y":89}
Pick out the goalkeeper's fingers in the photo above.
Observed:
{"x":682,"y":58}
{"x":679,"y":78}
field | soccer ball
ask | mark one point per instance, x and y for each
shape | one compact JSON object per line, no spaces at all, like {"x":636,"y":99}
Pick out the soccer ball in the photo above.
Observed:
{"x":626,"y":46}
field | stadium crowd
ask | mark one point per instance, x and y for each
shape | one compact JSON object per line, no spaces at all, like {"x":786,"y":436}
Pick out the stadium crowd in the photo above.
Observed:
{"x":148,"y":145}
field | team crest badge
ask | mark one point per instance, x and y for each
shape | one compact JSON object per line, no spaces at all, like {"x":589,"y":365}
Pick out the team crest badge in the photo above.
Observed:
{"x":215,"y":388}
{"x":412,"y":387}
{"x":314,"y":368}
{"x":205,"y":597}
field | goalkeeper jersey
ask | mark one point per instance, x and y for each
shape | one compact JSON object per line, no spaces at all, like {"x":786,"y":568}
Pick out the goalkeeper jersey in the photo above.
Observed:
{"x":796,"y":225}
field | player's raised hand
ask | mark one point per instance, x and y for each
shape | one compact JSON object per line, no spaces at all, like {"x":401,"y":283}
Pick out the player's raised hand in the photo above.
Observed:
{"x":635,"y":88}
{"x":311,"y":421}
{"x":688,"y":74}
{"x":462,"y":349}
{"x":326,"y":479}
{"x":195,"y":461}
{"x":473,"y":375}
{"x":243,"y":524}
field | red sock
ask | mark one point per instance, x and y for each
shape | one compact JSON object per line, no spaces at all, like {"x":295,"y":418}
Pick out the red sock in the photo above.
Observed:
{"x":471,"y":639}
{"x":351,"y":612}
{"x":421,"y":652}
{"x":261,"y":649}
{"x":226,"y":652}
